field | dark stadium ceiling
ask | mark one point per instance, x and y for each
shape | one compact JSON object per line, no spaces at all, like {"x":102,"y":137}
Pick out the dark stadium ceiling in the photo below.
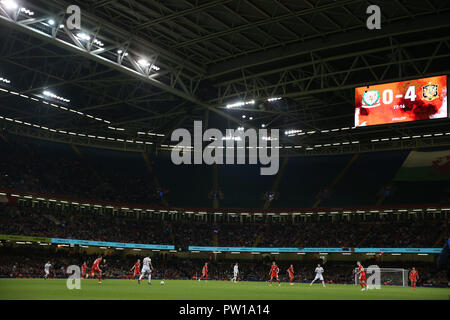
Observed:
{"x":159,"y":65}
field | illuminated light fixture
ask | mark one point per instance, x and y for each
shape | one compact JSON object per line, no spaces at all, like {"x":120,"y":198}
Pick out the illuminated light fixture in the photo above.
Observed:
{"x":4,"y":80}
{"x":118,"y":129}
{"x":99,"y":43}
{"x":251,"y":118}
{"x":156,"y":68}
{"x":143,"y":63}
{"x":51,"y":22}
{"x":263,"y":125}
{"x":26,"y":11}
{"x":240,"y":104}
{"x":289,"y":132}
{"x":119,"y":51}
{"x":10,"y":4}
{"x":273,"y":99}
{"x":61,"y":26}
{"x":244,"y":116}
{"x":240,"y":128}
{"x":54,"y":96}
{"x":83,"y":36}
{"x":232,"y":138}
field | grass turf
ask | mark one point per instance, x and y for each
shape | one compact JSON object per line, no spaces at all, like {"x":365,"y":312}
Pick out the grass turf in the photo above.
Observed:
{"x":55,"y":289}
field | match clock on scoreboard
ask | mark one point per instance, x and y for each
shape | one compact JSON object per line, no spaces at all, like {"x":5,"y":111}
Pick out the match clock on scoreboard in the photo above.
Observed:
{"x":403,"y":101}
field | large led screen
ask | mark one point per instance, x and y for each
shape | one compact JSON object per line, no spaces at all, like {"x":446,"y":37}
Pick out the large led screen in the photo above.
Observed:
{"x":411,"y":100}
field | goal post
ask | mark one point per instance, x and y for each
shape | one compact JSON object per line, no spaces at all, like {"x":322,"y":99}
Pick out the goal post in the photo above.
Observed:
{"x":376,"y":276}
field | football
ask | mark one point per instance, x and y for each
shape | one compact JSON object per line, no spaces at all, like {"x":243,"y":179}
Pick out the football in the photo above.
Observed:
{"x":162,"y":282}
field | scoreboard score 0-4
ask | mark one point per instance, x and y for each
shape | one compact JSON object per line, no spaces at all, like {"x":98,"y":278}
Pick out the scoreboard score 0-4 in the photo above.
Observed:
{"x":403,"y":101}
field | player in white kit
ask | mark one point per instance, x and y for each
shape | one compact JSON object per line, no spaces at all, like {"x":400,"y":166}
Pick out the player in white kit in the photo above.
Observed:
{"x":235,"y":272}
{"x":319,"y":271}
{"x":146,"y":269}
{"x":47,"y":269}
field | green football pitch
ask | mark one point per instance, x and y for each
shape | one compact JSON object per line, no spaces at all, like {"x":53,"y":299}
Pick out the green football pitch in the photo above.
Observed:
{"x":56,"y":289}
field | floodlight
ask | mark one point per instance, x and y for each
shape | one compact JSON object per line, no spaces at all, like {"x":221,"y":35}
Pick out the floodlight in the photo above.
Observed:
{"x":10,"y":4}
{"x":143,"y":63}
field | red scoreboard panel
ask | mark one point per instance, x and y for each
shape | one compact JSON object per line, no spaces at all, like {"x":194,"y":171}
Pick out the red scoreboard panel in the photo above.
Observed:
{"x":410,"y":100}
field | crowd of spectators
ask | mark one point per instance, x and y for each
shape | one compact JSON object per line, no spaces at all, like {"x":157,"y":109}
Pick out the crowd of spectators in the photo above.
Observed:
{"x":87,"y":173}
{"x":57,"y":223}
{"x":28,"y":167}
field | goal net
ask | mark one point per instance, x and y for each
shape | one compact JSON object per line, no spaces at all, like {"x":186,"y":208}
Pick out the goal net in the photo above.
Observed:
{"x":384,"y":276}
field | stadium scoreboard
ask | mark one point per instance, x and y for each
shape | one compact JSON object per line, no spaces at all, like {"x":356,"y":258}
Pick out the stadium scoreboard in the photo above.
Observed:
{"x":404,"y":101}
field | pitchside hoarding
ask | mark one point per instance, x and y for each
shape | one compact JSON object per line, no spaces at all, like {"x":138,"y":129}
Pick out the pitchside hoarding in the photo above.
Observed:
{"x":411,"y":100}
{"x":314,"y":250}
{"x":112,"y":244}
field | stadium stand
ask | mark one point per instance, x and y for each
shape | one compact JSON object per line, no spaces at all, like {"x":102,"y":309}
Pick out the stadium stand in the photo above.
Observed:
{"x":70,"y":224}
{"x":89,"y":173}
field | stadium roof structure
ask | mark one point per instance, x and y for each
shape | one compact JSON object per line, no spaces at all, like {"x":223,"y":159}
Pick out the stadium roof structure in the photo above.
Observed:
{"x":139,"y":69}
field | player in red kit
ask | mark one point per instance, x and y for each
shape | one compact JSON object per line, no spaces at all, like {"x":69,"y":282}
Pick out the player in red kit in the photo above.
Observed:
{"x":83,"y":269}
{"x":290,"y":272}
{"x":413,"y":276}
{"x":362,"y":276}
{"x":204,"y":272}
{"x":274,"y":273}
{"x":96,"y":269}
{"x":136,"y":268}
